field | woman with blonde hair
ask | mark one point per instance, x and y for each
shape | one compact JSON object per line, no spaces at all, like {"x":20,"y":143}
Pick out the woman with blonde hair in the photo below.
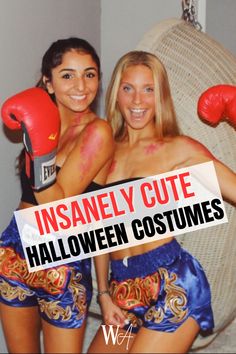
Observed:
{"x":157,"y":288}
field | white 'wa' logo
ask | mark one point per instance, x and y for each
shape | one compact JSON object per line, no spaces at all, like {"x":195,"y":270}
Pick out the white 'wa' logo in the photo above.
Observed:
{"x":116,"y":337}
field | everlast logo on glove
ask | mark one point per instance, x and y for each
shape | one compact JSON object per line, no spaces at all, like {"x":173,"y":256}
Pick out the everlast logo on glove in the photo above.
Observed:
{"x":42,"y":171}
{"x":48,"y":171}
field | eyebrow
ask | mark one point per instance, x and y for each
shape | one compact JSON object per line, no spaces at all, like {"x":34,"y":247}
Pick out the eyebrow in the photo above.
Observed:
{"x":87,"y":69}
{"x":128,"y":83}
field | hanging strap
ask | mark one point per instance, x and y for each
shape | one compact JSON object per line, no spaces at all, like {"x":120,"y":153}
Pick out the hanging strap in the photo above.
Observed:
{"x":189,"y":13}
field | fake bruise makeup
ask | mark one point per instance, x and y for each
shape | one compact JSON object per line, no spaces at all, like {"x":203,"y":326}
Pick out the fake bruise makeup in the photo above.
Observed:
{"x":91,"y":146}
{"x":78,"y":118}
{"x":152,"y":148}
{"x":82,"y":118}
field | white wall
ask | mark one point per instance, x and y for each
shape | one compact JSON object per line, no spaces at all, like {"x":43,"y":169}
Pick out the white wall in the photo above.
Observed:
{"x":123,"y":23}
{"x":221,"y":22}
{"x":27,"y":28}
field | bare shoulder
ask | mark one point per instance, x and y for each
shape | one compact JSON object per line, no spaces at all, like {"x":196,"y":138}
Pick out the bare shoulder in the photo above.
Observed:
{"x":189,"y":145}
{"x":99,"y":127}
{"x":100,"y":123}
{"x":190,"y":151}
{"x":95,"y":137}
{"x":99,"y":137}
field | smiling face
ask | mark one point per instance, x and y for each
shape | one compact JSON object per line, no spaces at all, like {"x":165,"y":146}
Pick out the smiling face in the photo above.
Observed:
{"x":74,"y":82}
{"x":136,"y":96}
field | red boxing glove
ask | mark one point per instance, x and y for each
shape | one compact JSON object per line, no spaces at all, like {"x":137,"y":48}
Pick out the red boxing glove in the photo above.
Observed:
{"x":218,"y":102}
{"x":36,"y":114}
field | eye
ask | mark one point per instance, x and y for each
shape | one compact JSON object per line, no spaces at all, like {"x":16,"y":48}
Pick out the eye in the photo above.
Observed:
{"x":90,"y":75}
{"x":67,"y":76}
{"x":126,"y":88}
{"x":149,"y":89}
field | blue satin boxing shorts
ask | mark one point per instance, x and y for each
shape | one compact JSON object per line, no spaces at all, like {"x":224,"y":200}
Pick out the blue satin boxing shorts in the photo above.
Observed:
{"x":160,"y":289}
{"x":63,"y":293}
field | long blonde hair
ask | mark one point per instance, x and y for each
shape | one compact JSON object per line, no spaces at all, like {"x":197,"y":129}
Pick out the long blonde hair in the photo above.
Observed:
{"x":165,"y":117}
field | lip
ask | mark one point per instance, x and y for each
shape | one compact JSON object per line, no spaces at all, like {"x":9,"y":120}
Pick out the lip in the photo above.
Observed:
{"x":137,"y":113}
{"x":78,"y":97}
{"x":137,"y":110}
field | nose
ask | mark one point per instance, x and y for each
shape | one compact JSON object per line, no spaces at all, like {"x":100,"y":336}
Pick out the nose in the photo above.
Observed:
{"x":80,"y":83}
{"x":137,"y":97}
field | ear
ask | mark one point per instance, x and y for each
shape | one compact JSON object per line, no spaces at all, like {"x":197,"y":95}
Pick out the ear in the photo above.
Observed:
{"x":48,"y":85}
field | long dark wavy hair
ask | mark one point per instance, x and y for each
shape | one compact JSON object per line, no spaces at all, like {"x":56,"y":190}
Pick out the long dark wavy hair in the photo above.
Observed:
{"x":51,"y":59}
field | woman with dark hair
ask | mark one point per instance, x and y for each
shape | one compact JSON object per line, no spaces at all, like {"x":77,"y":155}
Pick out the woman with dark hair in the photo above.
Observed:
{"x":56,"y":299}
{"x":156,"y":289}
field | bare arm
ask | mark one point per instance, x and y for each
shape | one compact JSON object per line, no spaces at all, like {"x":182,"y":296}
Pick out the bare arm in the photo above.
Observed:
{"x":112,"y":314}
{"x":227,"y":181}
{"x":196,"y":153}
{"x":102,"y":269}
{"x":91,"y":155}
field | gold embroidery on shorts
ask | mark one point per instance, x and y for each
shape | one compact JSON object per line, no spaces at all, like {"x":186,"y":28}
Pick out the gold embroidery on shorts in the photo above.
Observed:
{"x":175,"y":300}
{"x":9,"y":292}
{"x":134,"y":320}
{"x":155,"y":314}
{"x":78,"y":293}
{"x":135,"y":292}
{"x":54,"y":311}
{"x":12,"y":266}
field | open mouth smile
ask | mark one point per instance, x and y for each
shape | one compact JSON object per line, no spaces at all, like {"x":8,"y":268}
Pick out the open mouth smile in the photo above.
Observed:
{"x":78,"y":97}
{"x":138,"y":112}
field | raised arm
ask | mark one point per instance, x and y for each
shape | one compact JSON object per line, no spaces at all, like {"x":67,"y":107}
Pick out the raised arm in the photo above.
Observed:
{"x":91,"y":156}
{"x":34,"y":112}
{"x":214,"y":105}
{"x":193,"y":153}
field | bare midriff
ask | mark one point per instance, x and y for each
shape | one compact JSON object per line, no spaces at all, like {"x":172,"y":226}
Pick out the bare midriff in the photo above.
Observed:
{"x":140,"y":249}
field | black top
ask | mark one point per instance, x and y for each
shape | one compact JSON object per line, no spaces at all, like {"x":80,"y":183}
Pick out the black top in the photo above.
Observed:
{"x":126,"y":180}
{"x":28,"y":194}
